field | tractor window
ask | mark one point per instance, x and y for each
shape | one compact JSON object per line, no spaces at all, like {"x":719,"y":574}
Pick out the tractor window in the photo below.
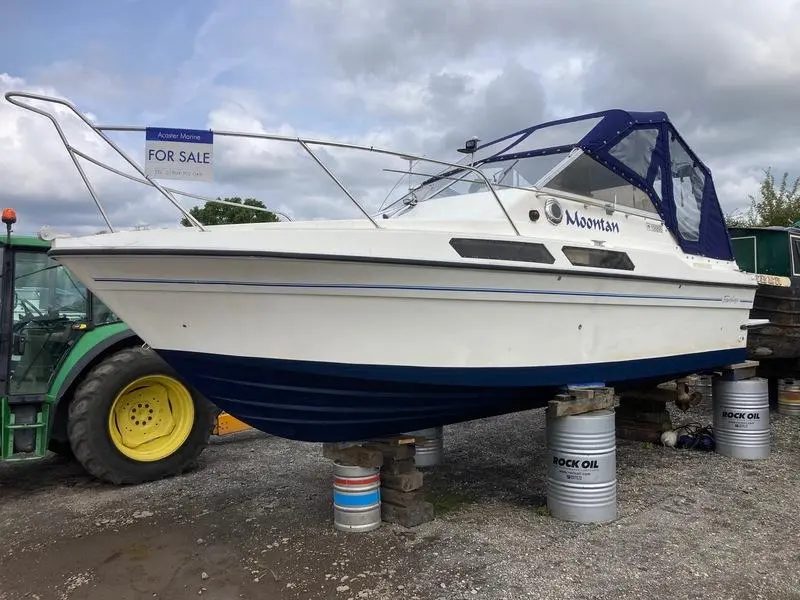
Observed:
{"x":48,"y":301}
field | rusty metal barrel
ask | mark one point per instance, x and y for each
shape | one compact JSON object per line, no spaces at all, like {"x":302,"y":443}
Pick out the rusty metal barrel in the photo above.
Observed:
{"x":789,"y":397}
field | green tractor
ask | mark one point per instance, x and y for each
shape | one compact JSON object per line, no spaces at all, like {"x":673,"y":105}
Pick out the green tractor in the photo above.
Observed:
{"x":78,"y":382}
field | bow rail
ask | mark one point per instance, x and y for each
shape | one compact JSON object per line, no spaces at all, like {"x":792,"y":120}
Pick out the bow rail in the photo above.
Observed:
{"x":18,"y":99}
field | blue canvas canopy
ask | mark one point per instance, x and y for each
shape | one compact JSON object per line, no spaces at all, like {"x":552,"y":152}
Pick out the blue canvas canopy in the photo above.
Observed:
{"x":645,"y":150}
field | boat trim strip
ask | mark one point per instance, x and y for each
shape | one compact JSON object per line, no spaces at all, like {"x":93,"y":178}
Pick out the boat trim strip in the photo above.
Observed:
{"x":441,"y":264}
{"x":404,"y":287}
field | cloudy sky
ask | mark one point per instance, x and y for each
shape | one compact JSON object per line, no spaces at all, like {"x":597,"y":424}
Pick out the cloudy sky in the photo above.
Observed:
{"x":418,"y":75}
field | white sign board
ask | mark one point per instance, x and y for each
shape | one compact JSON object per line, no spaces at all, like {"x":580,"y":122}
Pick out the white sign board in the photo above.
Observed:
{"x":179,"y":153}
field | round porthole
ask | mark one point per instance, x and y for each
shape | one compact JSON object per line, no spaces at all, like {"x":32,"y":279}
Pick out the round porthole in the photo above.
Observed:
{"x":553,"y":212}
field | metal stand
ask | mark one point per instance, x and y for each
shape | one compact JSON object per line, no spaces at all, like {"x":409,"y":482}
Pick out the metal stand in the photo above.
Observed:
{"x":581,"y":456}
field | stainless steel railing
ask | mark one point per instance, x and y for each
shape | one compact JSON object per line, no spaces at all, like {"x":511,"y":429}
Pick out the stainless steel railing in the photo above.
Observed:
{"x":17,"y":98}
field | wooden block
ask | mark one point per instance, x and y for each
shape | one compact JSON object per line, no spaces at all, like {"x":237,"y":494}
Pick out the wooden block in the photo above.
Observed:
{"x":561,"y":408}
{"x":636,"y":407}
{"x":605,"y":392}
{"x":398,"y":498}
{"x":643,"y":401}
{"x":652,"y":395}
{"x":392,"y":440}
{"x":353,"y":455}
{"x":739,"y":371}
{"x":405,"y":482}
{"x":639,"y":425}
{"x":641,"y":416}
{"x":407,"y":516}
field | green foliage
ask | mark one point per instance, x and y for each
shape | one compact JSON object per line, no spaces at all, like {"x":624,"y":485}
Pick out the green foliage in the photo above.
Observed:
{"x":776,"y":206}
{"x":214,"y":213}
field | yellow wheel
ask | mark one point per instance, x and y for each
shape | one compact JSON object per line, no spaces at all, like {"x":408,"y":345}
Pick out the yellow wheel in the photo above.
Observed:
{"x":151,"y":418}
{"x":132,"y":420}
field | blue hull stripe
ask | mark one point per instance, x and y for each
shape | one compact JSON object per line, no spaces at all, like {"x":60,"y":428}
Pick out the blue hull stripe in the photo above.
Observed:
{"x":335,"y":402}
{"x":355,"y":500}
{"x":419,"y":288}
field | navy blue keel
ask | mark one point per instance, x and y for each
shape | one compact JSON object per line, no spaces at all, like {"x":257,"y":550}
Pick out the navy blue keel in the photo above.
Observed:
{"x":331,"y":402}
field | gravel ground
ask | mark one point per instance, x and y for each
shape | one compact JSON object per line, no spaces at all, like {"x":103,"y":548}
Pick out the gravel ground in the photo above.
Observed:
{"x":254,"y":520}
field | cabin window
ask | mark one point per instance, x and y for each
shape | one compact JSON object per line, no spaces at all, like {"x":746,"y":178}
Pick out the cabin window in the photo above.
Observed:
{"x":502,"y":250}
{"x":635,"y":150}
{"x":688,"y":183}
{"x":598,"y":258}
{"x":587,"y":177}
{"x":795,"y":255}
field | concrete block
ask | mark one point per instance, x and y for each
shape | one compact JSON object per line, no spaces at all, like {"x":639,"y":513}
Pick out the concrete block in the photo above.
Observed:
{"x":404,"y":482}
{"x":397,"y":467}
{"x":398,"y":498}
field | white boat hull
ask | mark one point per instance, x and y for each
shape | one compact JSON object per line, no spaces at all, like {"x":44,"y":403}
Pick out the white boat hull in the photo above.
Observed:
{"x":370,"y":313}
{"x":321,"y":349}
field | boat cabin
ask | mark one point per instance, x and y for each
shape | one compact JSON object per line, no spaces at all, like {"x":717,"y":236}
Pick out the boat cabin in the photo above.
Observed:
{"x":772,"y":252}
{"x":767,"y":250}
{"x":635,"y":162}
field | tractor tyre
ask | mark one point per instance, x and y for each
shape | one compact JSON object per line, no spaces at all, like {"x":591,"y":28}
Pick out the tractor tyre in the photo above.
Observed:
{"x":132,"y":420}
{"x":61,"y":447}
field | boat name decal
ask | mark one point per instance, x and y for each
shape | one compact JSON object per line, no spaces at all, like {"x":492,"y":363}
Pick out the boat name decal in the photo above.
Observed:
{"x":596,"y":223}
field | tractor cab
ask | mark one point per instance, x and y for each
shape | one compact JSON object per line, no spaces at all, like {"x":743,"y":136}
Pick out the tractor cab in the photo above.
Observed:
{"x":45,"y":310}
{"x":76,"y":380}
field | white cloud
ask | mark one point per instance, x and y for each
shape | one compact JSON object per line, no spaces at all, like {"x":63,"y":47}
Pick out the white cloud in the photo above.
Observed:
{"x":421,"y":77}
{"x":727,"y":72}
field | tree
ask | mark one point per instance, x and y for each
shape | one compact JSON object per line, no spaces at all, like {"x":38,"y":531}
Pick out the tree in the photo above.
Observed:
{"x":214,"y":213}
{"x":779,"y":206}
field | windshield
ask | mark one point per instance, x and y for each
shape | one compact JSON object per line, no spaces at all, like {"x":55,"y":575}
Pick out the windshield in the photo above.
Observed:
{"x":510,"y":173}
{"x":518,"y":160}
{"x":42,"y":287}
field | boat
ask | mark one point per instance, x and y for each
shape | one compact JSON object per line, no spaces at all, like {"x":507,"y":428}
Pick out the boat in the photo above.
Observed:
{"x":584,"y":250}
{"x":772,"y":253}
